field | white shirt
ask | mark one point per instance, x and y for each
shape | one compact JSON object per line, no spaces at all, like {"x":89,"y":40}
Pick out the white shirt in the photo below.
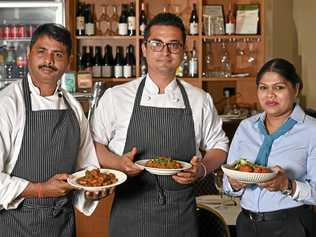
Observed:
{"x":112,"y":116}
{"x":12,"y":123}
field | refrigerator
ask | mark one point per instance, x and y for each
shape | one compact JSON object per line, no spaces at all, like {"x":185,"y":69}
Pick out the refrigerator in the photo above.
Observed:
{"x":18,"y":20}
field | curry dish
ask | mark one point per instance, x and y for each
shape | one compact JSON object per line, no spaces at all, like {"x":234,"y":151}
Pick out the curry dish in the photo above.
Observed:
{"x":94,"y":178}
{"x":163,"y":163}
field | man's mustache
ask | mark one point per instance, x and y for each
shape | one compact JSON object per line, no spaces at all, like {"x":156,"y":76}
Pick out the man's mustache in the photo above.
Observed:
{"x":48,"y":67}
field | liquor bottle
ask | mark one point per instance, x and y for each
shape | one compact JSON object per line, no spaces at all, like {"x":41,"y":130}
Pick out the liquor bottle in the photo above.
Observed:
{"x":131,"y":20}
{"x":227,"y":106}
{"x":88,"y":59}
{"x":122,"y":26}
{"x":193,"y":63}
{"x":114,"y":21}
{"x":3,"y":75}
{"x":133,"y":59}
{"x":80,"y":20}
{"x":194,"y":22}
{"x":89,"y":23}
{"x":82,"y":65}
{"x":80,"y":59}
{"x":97,"y":65}
{"x":119,"y":62}
{"x":230,"y":22}
{"x":21,"y":61}
{"x":143,"y":66}
{"x":186,"y":65}
{"x":143,"y":20}
{"x":127,"y":68}
{"x":10,"y":65}
{"x":107,"y":67}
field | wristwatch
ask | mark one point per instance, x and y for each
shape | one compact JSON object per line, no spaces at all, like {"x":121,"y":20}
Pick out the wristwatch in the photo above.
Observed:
{"x":289,"y":188}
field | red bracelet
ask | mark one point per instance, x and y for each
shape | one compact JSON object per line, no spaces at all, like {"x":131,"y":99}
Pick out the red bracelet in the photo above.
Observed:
{"x":40,"y":193}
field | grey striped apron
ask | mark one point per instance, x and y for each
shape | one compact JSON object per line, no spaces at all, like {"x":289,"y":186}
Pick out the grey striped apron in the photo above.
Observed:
{"x":148,"y":205}
{"x":50,"y":146}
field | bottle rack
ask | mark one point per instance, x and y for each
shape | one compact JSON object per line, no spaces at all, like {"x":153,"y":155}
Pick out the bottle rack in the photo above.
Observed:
{"x":243,"y":88}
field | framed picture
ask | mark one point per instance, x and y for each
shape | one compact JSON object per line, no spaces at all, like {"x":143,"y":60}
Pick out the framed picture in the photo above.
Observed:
{"x":213,"y":20}
{"x":247,"y":19}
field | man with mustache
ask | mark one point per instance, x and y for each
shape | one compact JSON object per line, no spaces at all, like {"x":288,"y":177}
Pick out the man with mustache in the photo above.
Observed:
{"x":44,"y":137}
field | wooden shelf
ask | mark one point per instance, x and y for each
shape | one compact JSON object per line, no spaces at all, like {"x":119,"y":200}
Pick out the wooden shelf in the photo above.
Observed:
{"x":228,"y":37}
{"x":210,"y":79}
{"x":103,"y":37}
{"x":106,"y":79}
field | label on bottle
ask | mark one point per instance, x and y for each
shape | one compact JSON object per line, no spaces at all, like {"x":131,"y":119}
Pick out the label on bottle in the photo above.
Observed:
{"x":96,"y":71}
{"x":127,"y":71}
{"x":80,"y":23}
{"x":118,"y":71}
{"x":194,"y":28}
{"x":131,"y":22}
{"x":230,"y":28}
{"x":89,"y":28}
{"x":84,"y":80}
{"x":122,"y":29}
{"x":106,"y":71}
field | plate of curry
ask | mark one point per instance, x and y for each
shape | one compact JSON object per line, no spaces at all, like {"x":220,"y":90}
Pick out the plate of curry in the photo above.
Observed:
{"x":94,"y":180}
{"x":161,"y":165}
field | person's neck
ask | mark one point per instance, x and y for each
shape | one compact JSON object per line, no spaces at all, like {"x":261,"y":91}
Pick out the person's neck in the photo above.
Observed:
{"x":44,"y":88}
{"x":273,"y":123}
{"x":162,"y":81}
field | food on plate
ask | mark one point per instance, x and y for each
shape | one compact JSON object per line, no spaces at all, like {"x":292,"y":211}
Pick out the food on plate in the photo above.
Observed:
{"x":95,"y":178}
{"x":244,"y":165}
{"x":163,"y":163}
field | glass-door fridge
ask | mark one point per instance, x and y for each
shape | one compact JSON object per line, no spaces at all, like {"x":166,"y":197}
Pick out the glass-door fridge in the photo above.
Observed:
{"x":18,"y":20}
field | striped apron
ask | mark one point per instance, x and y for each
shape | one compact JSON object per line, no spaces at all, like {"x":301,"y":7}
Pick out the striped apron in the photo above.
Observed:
{"x":150,"y":205}
{"x":50,"y":146}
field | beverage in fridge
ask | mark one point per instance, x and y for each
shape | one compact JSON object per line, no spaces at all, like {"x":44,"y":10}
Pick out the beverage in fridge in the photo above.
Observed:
{"x":18,"y":21}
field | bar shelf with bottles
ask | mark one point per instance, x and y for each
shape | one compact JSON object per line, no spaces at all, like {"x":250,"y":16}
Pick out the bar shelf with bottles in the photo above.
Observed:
{"x":241,"y":54}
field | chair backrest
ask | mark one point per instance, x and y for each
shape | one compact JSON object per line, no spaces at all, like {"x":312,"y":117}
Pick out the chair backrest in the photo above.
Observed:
{"x":211,"y":223}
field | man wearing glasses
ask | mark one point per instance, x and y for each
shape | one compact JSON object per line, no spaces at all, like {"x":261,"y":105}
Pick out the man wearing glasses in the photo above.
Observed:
{"x":158,"y":115}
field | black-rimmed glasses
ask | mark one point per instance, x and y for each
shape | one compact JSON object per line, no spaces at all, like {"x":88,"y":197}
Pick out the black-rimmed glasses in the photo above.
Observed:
{"x":157,"y":46}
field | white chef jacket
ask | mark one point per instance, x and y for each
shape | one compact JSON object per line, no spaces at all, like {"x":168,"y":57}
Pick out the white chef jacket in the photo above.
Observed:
{"x":111,"y":118}
{"x":12,"y":122}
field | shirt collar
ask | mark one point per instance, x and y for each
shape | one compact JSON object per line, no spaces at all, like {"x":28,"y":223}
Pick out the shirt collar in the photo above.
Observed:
{"x":35,"y":89}
{"x":297,"y":114}
{"x":152,"y":88}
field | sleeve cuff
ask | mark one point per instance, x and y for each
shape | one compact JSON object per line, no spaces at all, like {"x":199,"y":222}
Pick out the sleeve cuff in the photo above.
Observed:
{"x":302,"y":191}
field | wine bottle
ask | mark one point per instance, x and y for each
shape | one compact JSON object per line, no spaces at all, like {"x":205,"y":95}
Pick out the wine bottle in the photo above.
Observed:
{"x":96,"y":69}
{"x":80,"y":59}
{"x":186,"y":65}
{"x":119,"y":62}
{"x":143,"y":20}
{"x":21,"y":61}
{"x":80,"y":20}
{"x":143,"y":66}
{"x":230,"y":22}
{"x":107,"y":67}
{"x":194,"y":21}
{"x":127,"y":68}
{"x":131,"y":20}
{"x":89,"y":23}
{"x":193,"y":63}
{"x":122,"y":26}
{"x":88,"y":59}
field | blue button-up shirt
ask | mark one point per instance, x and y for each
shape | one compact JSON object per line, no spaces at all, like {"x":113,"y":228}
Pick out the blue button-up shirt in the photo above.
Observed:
{"x":295,"y":151}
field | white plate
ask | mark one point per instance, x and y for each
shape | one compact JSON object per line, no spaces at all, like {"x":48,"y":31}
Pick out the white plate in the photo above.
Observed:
{"x":247,"y":177}
{"x":158,"y":171}
{"x":72,"y":180}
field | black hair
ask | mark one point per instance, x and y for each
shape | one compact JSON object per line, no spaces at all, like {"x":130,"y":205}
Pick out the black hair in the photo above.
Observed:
{"x":56,"y":31}
{"x":284,"y":68}
{"x":165,"y":19}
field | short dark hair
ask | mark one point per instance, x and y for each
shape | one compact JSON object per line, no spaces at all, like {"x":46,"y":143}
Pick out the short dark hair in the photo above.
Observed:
{"x":165,"y":19}
{"x":284,"y":68}
{"x":56,"y":31}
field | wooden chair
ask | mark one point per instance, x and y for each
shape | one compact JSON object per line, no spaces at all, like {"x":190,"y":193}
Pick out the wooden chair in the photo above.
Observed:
{"x":211,"y":223}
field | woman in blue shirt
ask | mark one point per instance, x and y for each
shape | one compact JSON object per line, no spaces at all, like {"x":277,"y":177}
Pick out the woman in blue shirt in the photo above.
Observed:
{"x":283,"y":137}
